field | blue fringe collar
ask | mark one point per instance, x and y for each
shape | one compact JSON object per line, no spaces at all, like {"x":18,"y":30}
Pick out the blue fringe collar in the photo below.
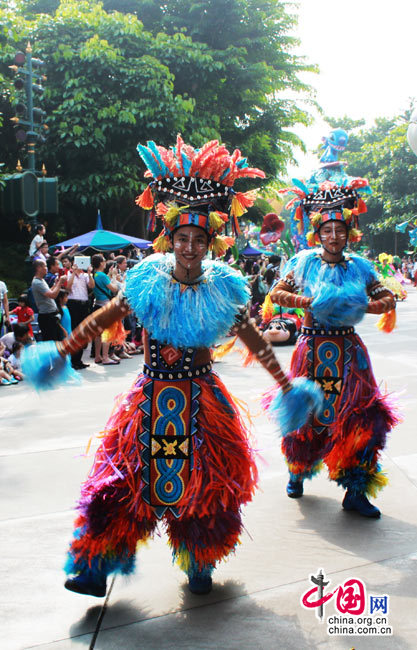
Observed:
{"x":339,"y":290}
{"x":195,"y":315}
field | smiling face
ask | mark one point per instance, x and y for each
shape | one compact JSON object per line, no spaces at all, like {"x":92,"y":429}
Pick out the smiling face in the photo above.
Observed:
{"x":277,"y":331}
{"x":190,"y":247}
{"x":333,"y":236}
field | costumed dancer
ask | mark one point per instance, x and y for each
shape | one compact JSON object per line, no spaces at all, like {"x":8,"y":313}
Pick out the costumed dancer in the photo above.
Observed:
{"x":336,"y":289}
{"x":387,"y":275}
{"x":175,"y":448}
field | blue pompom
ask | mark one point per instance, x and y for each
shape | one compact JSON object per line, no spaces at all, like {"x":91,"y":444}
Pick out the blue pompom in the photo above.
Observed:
{"x":44,"y":367}
{"x":339,"y":305}
{"x":339,"y":290}
{"x":291,"y":410}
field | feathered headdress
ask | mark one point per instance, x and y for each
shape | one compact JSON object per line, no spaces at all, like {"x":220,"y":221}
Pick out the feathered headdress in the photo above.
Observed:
{"x":194,"y":187}
{"x":328,"y":195}
{"x":328,"y":201}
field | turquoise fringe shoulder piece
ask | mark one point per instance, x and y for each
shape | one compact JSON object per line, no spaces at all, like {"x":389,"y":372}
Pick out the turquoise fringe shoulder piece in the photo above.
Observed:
{"x":339,"y":290}
{"x":196,"y":316}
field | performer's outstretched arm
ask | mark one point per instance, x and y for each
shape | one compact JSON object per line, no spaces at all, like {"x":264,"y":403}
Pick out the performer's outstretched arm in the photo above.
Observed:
{"x":381,"y":299}
{"x":46,"y":364}
{"x":93,"y":325}
{"x":249,"y":333}
{"x":296,"y":401}
{"x":284,"y":294}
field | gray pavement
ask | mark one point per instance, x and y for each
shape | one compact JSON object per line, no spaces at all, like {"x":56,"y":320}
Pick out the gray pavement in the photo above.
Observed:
{"x":255,"y":602}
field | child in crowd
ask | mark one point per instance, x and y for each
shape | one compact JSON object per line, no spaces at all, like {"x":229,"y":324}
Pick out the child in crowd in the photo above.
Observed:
{"x":8,"y":374}
{"x":65,"y":317}
{"x":14,"y":358}
{"x":25,"y":314}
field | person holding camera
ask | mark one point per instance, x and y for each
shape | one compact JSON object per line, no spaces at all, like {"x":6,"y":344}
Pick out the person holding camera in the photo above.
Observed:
{"x":104,"y":289}
{"x":78,"y":285}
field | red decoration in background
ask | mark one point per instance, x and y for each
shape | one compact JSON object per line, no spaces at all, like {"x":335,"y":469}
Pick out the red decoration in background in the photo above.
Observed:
{"x":272,"y":228}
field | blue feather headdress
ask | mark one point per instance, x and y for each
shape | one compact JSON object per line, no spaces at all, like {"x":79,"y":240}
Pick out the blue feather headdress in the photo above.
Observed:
{"x":329,"y":195}
{"x":195,"y":187}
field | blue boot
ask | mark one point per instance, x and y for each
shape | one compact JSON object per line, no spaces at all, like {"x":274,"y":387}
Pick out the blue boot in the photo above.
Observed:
{"x":88,"y":583}
{"x":200,"y":584}
{"x":360,"y":503}
{"x":295,"y":488}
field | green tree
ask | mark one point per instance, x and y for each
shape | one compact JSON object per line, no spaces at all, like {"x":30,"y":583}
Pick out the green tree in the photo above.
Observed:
{"x":245,"y":96}
{"x":106,"y":90}
{"x":124,"y":72}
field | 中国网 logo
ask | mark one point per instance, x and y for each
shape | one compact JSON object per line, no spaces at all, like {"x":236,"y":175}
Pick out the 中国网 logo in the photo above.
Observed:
{"x":357,"y":613}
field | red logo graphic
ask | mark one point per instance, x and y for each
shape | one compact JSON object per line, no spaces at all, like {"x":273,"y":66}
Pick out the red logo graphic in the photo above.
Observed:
{"x":350,"y":596}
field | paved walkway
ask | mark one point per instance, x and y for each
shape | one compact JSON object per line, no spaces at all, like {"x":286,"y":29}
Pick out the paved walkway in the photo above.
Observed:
{"x":255,"y":602}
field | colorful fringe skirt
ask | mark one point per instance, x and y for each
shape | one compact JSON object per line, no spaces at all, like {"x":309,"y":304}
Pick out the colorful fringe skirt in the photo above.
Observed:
{"x":176,"y":451}
{"x":351,"y":429}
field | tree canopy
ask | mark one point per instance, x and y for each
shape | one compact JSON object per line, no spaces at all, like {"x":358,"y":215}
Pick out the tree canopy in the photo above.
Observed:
{"x":124,"y":72}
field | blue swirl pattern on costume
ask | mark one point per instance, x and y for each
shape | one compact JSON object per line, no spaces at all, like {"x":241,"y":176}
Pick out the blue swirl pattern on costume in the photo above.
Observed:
{"x":339,"y":290}
{"x":196,"y":316}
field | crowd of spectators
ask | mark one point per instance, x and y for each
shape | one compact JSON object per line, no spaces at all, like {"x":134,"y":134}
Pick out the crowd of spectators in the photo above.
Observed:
{"x":61,"y":294}
{"x":262,"y":272}
{"x":409,"y":269}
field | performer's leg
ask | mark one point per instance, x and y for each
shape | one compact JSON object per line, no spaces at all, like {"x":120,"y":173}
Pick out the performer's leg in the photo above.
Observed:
{"x":353,"y":461}
{"x":105,"y":541}
{"x":198,"y":543}
{"x":303,"y":451}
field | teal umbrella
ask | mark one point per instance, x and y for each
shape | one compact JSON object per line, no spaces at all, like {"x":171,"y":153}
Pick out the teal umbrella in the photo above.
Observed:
{"x":105,"y":240}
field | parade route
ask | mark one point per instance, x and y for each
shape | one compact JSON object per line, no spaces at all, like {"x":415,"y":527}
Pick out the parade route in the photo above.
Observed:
{"x":255,"y":602}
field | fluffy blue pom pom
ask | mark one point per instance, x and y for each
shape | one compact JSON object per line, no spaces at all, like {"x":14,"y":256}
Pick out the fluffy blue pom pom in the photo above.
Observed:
{"x":45,"y":368}
{"x":291,"y":410}
{"x":334,"y":306}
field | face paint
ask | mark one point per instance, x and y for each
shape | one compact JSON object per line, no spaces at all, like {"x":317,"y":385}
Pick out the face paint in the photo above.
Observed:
{"x":190,"y":247}
{"x":333,"y":236}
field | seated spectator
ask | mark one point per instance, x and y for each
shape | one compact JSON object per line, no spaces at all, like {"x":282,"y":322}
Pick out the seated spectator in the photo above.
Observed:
{"x":4,"y":307}
{"x":38,"y":239}
{"x":19,"y":334}
{"x":14,"y":358}
{"x":25,"y":314}
{"x":6,"y":375}
{"x":45,"y":300}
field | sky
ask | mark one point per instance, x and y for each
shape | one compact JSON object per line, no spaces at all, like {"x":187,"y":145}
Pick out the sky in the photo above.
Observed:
{"x":367,"y":54}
